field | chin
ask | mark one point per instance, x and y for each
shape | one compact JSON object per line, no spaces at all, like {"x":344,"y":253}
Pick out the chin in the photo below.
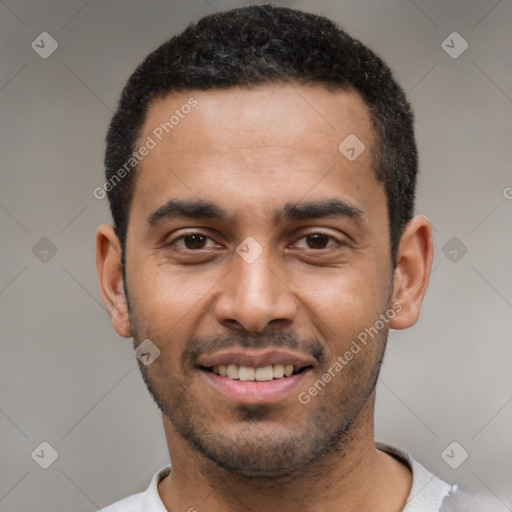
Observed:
{"x":261,"y":469}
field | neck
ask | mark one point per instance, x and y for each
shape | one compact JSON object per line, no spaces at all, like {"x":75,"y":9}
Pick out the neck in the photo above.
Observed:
{"x":354,"y":476}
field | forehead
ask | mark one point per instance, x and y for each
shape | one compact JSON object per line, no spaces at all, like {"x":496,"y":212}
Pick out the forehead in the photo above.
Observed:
{"x":264,"y":141}
{"x":266,"y":115}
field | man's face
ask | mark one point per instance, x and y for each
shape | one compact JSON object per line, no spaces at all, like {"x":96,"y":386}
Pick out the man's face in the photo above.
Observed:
{"x":262,"y":158}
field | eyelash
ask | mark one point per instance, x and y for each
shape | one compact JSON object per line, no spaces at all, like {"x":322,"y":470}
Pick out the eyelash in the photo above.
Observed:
{"x":330,"y":237}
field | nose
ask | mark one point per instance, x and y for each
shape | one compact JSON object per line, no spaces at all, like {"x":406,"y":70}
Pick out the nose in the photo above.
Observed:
{"x":254,"y":295}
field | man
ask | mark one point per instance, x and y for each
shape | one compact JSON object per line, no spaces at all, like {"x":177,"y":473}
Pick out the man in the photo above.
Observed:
{"x":261,"y":172}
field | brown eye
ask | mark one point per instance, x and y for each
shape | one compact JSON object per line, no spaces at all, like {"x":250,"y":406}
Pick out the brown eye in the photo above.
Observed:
{"x":193,"y":241}
{"x":317,"y":241}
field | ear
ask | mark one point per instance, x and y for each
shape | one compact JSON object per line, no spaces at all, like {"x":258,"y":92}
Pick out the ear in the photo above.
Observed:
{"x":110,"y":278}
{"x":412,"y":273}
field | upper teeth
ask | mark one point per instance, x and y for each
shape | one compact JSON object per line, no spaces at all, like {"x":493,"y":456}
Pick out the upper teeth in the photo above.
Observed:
{"x":245,"y":373}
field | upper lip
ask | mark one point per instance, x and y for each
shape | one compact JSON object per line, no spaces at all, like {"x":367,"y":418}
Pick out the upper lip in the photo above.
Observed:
{"x":255,"y":358}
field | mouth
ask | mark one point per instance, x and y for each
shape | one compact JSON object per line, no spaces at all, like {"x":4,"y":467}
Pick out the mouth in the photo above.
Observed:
{"x":265,"y":373}
{"x":255,"y":376}
{"x":247,"y":385}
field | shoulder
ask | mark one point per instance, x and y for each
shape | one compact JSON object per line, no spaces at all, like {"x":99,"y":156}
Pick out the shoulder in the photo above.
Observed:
{"x":462,"y":501}
{"x":147,"y":501}
{"x":431,"y":494}
{"x":427,"y":490}
{"x":131,"y":504}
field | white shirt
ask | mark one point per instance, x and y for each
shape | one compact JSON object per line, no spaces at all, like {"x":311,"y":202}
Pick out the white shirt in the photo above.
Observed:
{"x":426,"y":495}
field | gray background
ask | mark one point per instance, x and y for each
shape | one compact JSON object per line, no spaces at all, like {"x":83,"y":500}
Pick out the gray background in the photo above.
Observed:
{"x":66,"y":378}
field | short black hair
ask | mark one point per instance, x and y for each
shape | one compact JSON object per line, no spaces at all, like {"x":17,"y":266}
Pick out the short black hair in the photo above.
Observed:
{"x":265,"y":44}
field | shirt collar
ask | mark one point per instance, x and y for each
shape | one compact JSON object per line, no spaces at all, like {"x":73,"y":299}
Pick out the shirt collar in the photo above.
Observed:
{"x":427,"y":490}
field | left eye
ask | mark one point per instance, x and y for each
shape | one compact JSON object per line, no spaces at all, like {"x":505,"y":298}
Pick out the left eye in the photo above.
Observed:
{"x":193,"y":241}
{"x":318,"y":241}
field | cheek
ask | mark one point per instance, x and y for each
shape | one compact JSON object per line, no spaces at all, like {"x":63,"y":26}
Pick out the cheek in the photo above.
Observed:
{"x":343,"y":302}
{"x":164,"y":298}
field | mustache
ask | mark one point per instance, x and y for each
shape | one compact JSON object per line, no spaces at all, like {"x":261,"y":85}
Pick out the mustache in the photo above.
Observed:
{"x":197,"y":345}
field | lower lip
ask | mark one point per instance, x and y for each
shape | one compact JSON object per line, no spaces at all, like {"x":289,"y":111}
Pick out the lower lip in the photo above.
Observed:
{"x":253,"y":392}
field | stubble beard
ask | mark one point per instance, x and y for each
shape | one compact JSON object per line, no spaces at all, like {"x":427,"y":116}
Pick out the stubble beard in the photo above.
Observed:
{"x":255,"y":449}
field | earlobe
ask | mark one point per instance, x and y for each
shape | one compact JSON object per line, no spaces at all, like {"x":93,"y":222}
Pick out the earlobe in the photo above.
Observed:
{"x":412,"y":272}
{"x":110,"y":278}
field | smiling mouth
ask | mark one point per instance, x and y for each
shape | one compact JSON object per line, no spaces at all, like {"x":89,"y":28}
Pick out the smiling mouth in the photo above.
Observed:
{"x":260,"y":374}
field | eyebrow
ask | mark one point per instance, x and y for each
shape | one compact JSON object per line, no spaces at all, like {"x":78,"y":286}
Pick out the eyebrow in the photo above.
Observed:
{"x":186,"y":209}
